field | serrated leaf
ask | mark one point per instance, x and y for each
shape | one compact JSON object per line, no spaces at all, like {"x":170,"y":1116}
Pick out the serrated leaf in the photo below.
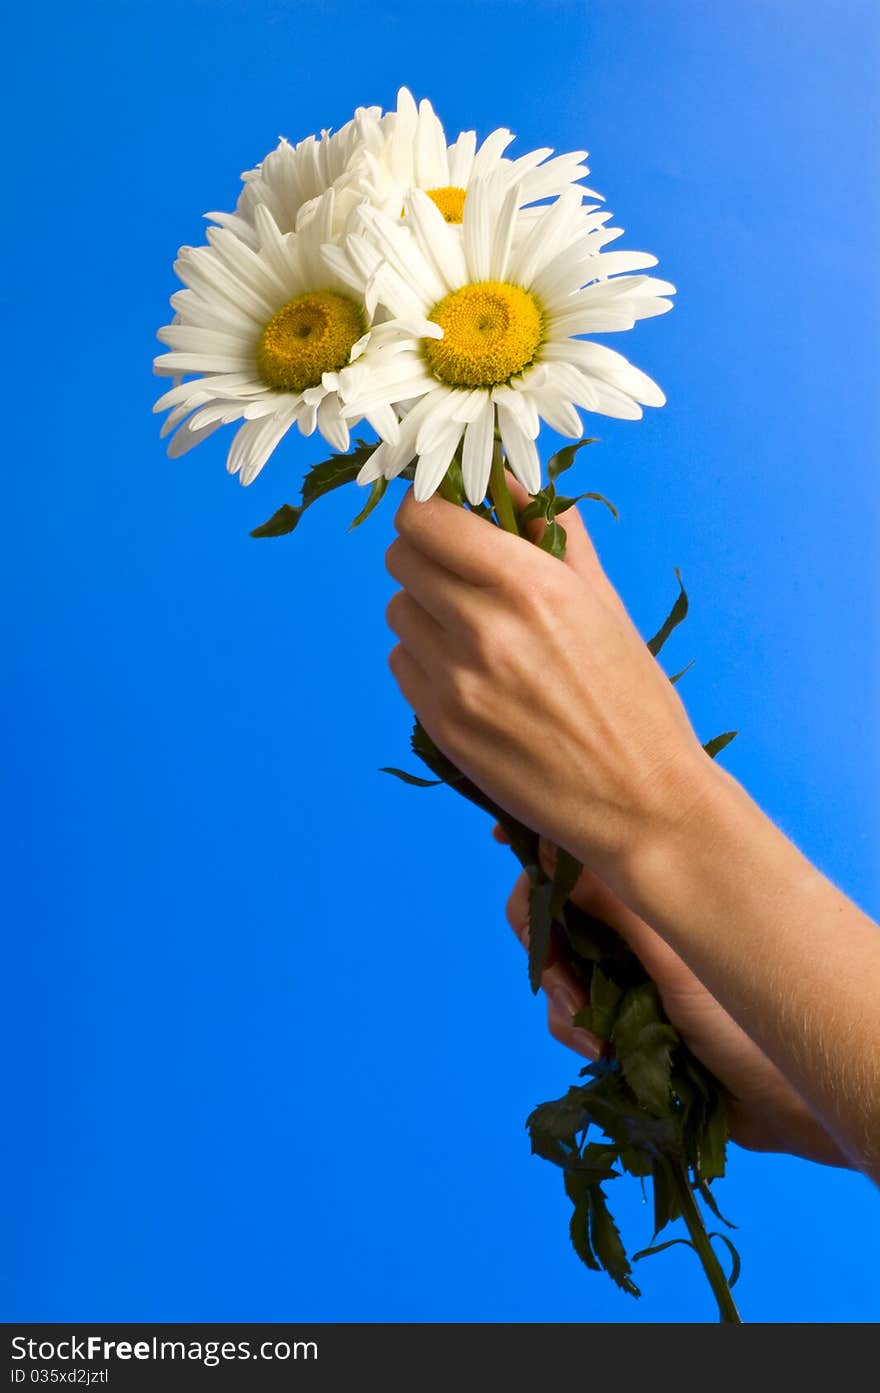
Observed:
{"x":566,"y":874}
{"x":719,"y":742}
{"x":712,"y":1145}
{"x":334,"y":472}
{"x":322,"y":478}
{"x":606,"y":1242}
{"x":635,"y":1162}
{"x":540,"y":930}
{"x":673,"y":619}
{"x":579,"y":1224}
{"x":564,"y":458}
{"x":644,"y":1041}
{"x":377,"y":493}
{"x":628,"y":1124}
{"x":666,"y":1202}
{"x":605,"y":995}
{"x":409,"y":778}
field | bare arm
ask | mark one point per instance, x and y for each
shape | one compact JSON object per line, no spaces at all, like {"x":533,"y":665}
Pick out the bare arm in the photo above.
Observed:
{"x":532,"y":678}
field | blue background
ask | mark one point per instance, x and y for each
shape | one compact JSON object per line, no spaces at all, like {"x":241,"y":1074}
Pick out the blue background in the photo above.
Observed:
{"x":273,"y":1044}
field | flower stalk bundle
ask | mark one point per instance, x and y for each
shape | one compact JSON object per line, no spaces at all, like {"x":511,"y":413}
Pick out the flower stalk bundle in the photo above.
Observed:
{"x":443,"y":296}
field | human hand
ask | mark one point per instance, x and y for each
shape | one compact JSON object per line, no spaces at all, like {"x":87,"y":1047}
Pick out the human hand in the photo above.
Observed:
{"x":532,"y":679}
{"x":765,"y":1112}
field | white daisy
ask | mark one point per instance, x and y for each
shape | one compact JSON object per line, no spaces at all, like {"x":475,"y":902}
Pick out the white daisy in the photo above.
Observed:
{"x":512,"y":312}
{"x":407,"y":149}
{"x":292,"y":177}
{"x":266,"y":328}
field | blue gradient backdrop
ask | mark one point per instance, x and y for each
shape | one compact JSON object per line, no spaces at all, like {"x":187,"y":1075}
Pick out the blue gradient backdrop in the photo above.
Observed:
{"x":272,"y":1041}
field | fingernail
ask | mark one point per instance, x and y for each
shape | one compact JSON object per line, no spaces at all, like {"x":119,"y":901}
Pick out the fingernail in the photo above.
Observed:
{"x":562,"y":999}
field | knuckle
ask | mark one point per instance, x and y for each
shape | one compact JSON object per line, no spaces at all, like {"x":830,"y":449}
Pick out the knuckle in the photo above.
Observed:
{"x":392,"y":558}
{"x":464,"y":691}
{"x":395,"y":608}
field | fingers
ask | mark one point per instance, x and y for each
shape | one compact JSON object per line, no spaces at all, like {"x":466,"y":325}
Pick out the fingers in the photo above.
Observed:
{"x":439,"y":591}
{"x":419,"y":633}
{"x":464,"y":543}
{"x":411,"y":678}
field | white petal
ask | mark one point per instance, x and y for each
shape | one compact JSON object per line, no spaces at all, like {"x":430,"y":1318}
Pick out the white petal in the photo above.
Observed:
{"x":503,"y":227}
{"x":185,"y":440}
{"x":522,"y":453}
{"x":490,"y":152}
{"x":476,"y":464}
{"x":461,"y":159}
{"x":438,"y":241}
{"x":431,"y":163}
{"x":437,"y":421}
{"x":434,"y":464}
{"x":479,"y":207}
{"x":331,"y":424}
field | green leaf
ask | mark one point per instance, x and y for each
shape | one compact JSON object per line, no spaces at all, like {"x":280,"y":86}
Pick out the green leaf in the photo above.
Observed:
{"x":672,"y":620}
{"x":606,"y":1242}
{"x":564,"y":459}
{"x":627,"y":1123}
{"x":566,"y":874}
{"x":644,"y":1042}
{"x":720,"y":742}
{"x":332,"y":473}
{"x":377,"y":493}
{"x":579,"y":1225}
{"x":709,"y":1199}
{"x":540,"y":930}
{"x":554,"y":539}
{"x":661,"y":1248}
{"x":561,"y":504}
{"x":322,"y":478}
{"x":647,"y":1068}
{"x":547,"y":905}
{"x":605,"y":995}
{"x":281,"y":522}
{"x":679,"y":675}
{"x":736,"y":1267}
{"x":712,"y":1145}
{"x":666,"y":1202}
{"x":410,"y":778}
{"x":523,"y":841}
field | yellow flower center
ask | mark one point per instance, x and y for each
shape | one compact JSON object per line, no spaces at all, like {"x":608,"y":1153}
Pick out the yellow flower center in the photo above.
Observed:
{"x":491,"y":332}
{"x":307,"y":337}
{"x":450,"y":201}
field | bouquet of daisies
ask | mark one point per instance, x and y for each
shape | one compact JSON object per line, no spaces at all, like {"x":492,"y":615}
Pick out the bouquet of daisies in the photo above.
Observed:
{"x":441,"y":297}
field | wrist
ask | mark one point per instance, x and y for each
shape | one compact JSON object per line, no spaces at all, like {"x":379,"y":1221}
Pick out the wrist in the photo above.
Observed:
{"x":688,"y":814}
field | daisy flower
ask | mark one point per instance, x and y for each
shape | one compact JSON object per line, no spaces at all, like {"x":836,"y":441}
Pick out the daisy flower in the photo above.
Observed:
{"x":407,"y":149}
{"x":292,"y":177}
{"x":512,"y":312}
{"x":267,"y":329}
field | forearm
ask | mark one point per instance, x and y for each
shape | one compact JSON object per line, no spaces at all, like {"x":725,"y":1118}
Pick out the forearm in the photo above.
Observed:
{"x":789,"y":956}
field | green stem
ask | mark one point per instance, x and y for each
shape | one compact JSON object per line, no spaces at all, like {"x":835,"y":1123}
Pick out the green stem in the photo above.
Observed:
{"x":500,"y":493}
{"x":690,"y":1212}
{"x":447,"y":489}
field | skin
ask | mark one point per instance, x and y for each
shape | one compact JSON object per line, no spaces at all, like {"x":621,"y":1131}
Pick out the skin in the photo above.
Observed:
{"x":529,"y":674}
